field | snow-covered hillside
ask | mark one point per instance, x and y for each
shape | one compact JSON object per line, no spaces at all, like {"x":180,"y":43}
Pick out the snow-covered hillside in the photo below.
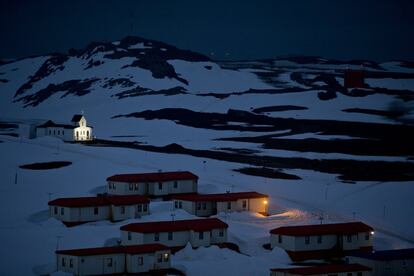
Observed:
{"x":285,"y":127}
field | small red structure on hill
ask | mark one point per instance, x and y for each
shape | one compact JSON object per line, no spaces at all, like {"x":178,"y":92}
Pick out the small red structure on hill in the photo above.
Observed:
{"x":354,"y":79}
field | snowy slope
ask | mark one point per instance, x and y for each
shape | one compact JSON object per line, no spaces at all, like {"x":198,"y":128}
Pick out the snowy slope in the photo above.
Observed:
{"x":137,"y":75}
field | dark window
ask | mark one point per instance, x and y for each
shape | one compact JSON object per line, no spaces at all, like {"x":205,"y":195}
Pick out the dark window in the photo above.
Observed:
{"x":319,"y":239}
{"x":139,"y":206}
{"x":129,"y":236}
{"x":140,"y":260}
{"x":176,"y":204}
{"x":156,"y":236}
{"x":229,"y":205}
{"x":56,"y":210}
{"x":367,"y":236}
{"x":180,"y":205}
{"x":63,"y":262}
{"x":349,"y":274}
{"x":63,"y":132}
{"x":159,"y":185}
{"x":221,"y":233}
{"x":175,"y":184}
{"x":198,"y":206}
{"x":244,"y":202}
{"x":122,"y":209}
{"x":200,"y":235}
{"x":62,"y":211}
{"x":280,"y":238}
{"x":50,"y":132}
{"x":349,"y":238}
{"x":54,"y":132}
{"x":359,"y":273}
{"x":136,"y":186}
{"x":170,"y":236}
{"x":307,"y":239}
{"x":131,"y":186}
{"x":109,"y":262}
{"x":96,"y":210}
{"x":70,"y":262}
{"x":159,"y":258}
{"x":145,"y":207}
{"x":204,"y":206}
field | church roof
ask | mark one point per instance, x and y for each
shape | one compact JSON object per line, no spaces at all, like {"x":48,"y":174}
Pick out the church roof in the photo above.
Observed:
{"x":76,"y":118}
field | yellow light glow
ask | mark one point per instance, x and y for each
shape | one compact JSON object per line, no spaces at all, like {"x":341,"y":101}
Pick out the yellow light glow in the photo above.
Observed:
{"x":265,"y":202}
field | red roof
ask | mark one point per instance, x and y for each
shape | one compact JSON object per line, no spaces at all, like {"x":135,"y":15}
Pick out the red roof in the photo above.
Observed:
{"x":323,"y":269}
{"x":153,"y":177}
{"x":323,"y":229}
{"x":132,"y":249}
{"x":219,"y":197}
{"x":98,"y":201}
{"x":197,"y":225}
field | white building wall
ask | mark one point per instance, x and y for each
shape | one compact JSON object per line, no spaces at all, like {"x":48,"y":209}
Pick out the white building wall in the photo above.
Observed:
{"x":152,"y":188}
{"x":216,"y":237}
{"x":124,"y":188}
{"x":196,"y":241}
{"x":179,"y":238}
{"x":257,"y":204}
{"x":327,"y":242}
{"x":92,"y":265}
{"x":357,"y":241}
{"x":124,"y":212}
{"x":188,"y":206}
{"x":149,"y":261}
{"x":288,"y":242}
{"x":205,"y":209}
{"x":133,"y":238}
{"x":65,"y":134}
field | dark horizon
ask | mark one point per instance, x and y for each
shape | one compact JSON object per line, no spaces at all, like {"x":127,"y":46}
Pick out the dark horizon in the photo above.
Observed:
{"x":234,"y":30}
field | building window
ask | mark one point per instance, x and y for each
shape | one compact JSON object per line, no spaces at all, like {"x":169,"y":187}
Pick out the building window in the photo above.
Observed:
{"x":159,"y":185}
{"x":56,"y":210}
{"x":367,"y":236}
{"x":139,"y":206}
{"x":319,"y":239}
{"x":156,"y":236}
{"x":229,"y":205}
{"x":244,"y":203}
{"x":50,"y":132}
{"x":280,"y":239}
{"x":307,"y":239}
{"x":140,"y":260}
{"x":129,"y":236}
{"x":63,"y":132}
{"x":176,"y":204}
{"x":71,"y":263}
{"x":54,"y":132}
{"x":63,"y":262}
{"x":109,"y":262}
{"x":136,"y":186}
{"x":221,"y":233}
{"x":198,"y":206}
{"x":159,"y":258}
{"x":200,"y":235}
{"x":180,"y":205}
{"x":175,"y":184}
{"x":204,"y":206}
{"x":122,"y":209}
{"x":145,"y":207}
{"x":166,"y":257}
{"x":170,"y":236}
{"x":349,"y":238}
{"x":131,"y":186}
{"x":96,"y":210}
{"x":62,"y":211}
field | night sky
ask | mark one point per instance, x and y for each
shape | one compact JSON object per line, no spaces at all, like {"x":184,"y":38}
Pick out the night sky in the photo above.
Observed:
{"x":342,"y":29}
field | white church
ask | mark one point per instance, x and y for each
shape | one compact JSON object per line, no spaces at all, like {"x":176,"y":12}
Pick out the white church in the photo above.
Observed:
{"x":77,"y":131}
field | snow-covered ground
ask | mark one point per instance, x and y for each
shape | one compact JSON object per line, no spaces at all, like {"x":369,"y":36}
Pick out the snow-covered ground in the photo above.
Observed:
{"x":28,"y":233}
